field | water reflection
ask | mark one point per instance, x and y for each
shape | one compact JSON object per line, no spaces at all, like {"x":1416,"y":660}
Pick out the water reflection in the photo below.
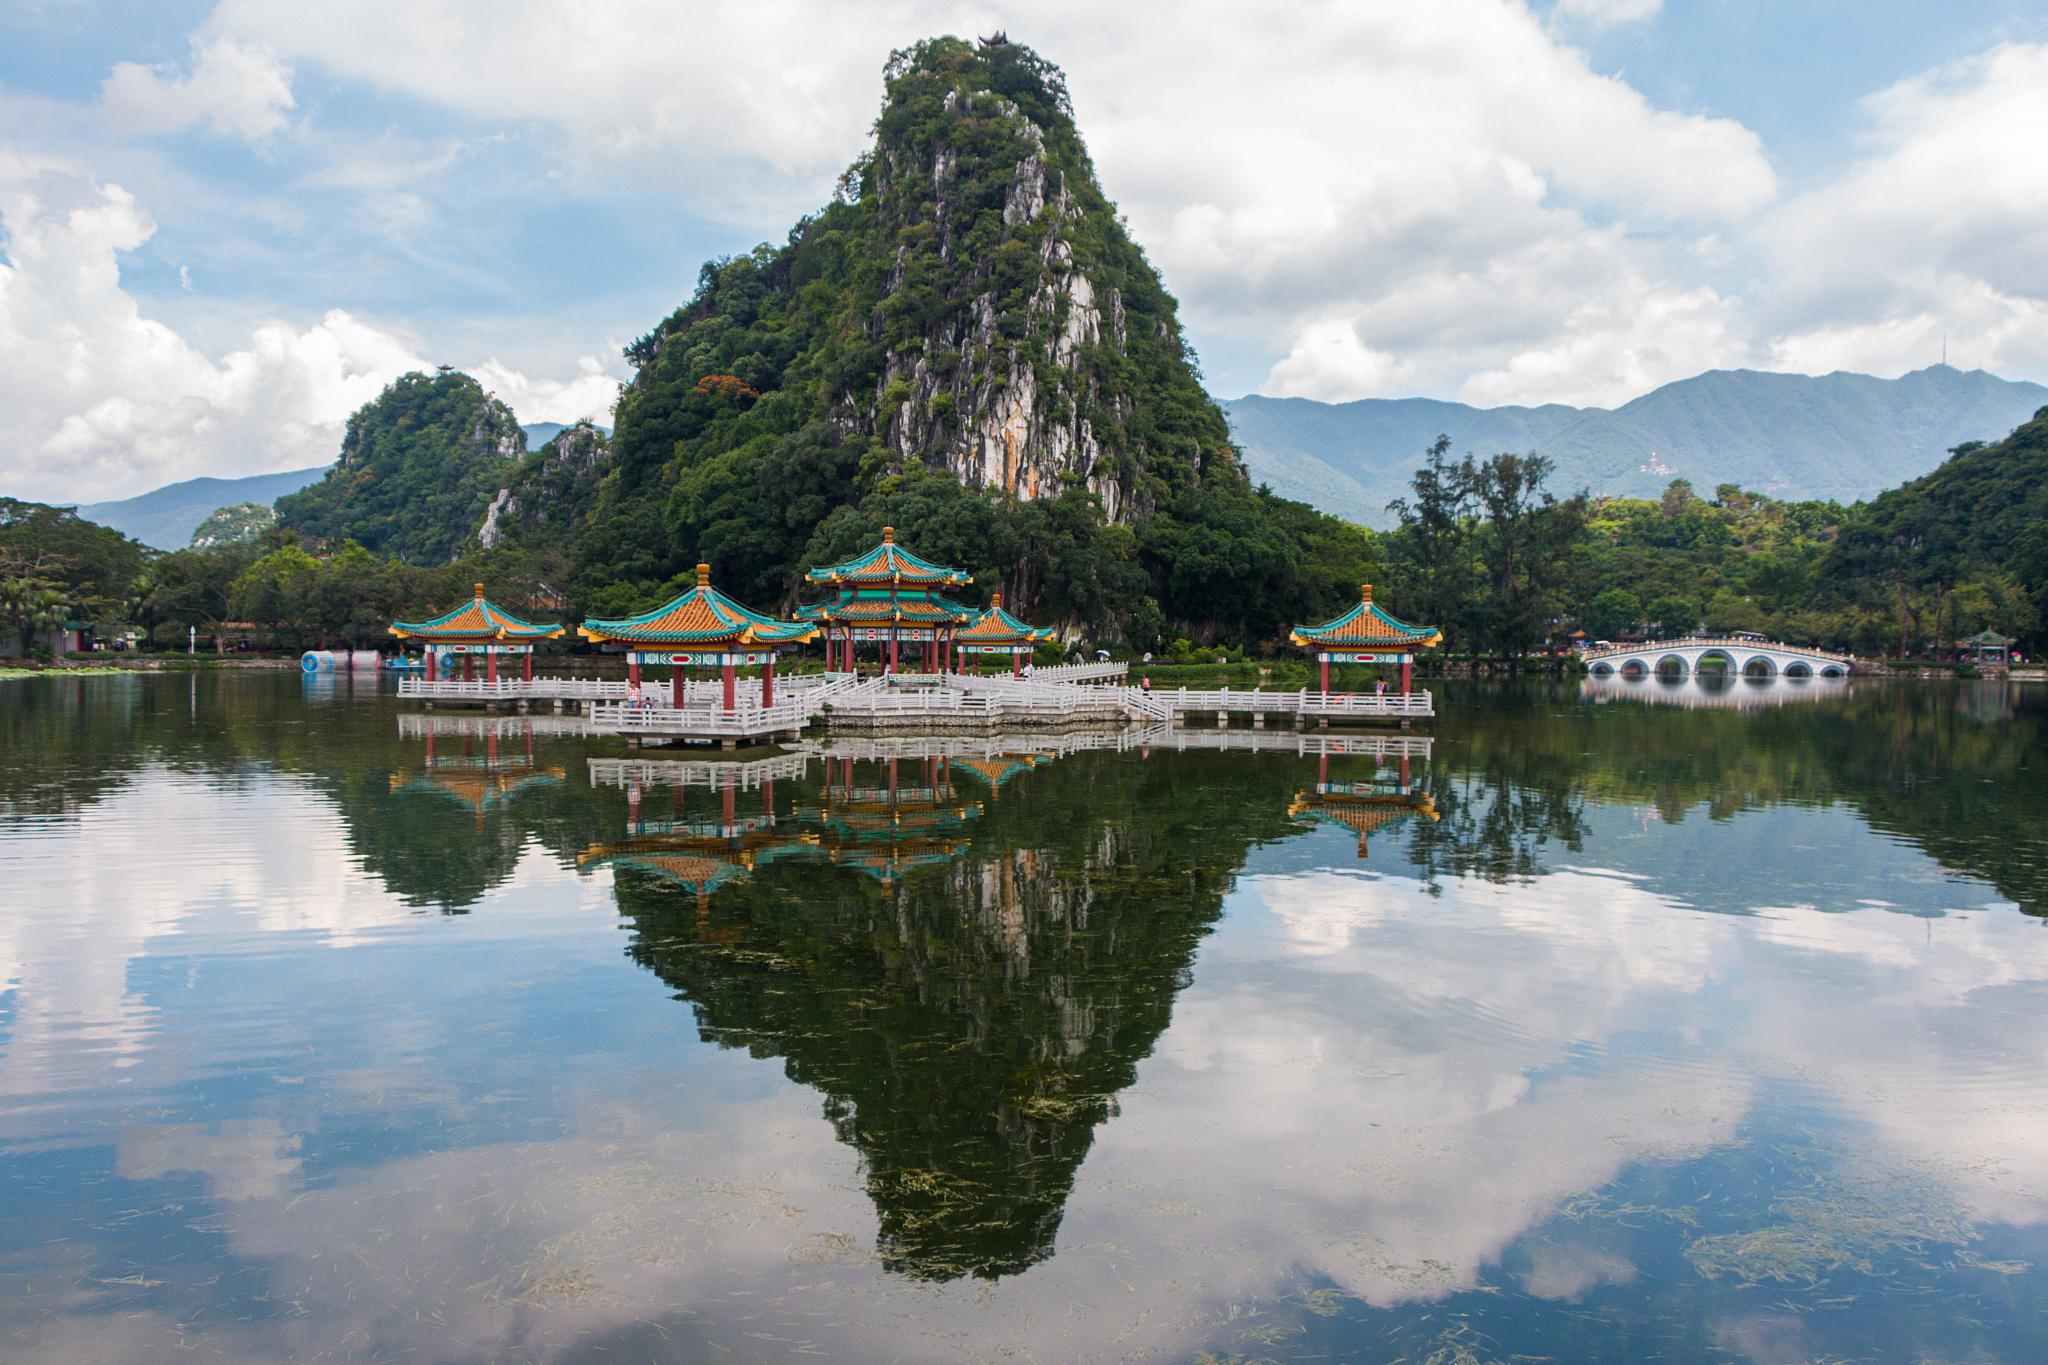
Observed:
{"x":1724,"y":690}
{"x":1083,"y":1044}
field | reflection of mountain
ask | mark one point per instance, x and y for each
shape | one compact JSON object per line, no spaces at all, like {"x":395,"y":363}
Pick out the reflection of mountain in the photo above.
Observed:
{"x":969,"y":1018}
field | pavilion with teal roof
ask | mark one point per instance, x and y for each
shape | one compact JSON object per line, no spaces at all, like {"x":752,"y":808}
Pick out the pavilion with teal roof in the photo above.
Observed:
{"x":888,"y":597}
{"x":995,"y":631}
{"x":478,"y":626}
{"x":701,"y":628}
{"x":1367,"y":634}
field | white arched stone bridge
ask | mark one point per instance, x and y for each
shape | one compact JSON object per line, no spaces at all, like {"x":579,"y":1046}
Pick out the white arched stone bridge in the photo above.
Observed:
{"x":1739,"y":655}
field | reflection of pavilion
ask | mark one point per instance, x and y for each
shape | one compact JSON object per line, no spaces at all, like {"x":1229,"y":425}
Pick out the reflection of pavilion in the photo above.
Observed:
{"x":482,"y":779}
{"x":900,"y":815}
{"x":1386,"y":798}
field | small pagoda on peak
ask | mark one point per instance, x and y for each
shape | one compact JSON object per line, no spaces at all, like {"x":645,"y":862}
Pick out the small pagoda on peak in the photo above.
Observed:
{"x":888,"y":597}
{"x":1367,"y":634}
{"x":995,"y":631}
{"x":478,"y":626}
{"x":701,"y":629}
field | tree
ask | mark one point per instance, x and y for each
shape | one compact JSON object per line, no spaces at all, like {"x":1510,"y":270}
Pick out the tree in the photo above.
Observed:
{"x":1433,"y":546}
{"x":1613,"y":612}
{"x":1526,"y":548}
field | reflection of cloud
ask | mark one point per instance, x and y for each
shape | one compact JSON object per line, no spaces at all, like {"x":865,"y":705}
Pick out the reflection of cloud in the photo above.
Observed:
{"x":1567,"y":1272}
{"x":165,"y":861}
{"x":252,"y":1159}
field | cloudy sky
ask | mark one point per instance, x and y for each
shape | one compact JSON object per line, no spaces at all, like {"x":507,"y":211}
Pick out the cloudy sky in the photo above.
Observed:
{"x":225,"y":225}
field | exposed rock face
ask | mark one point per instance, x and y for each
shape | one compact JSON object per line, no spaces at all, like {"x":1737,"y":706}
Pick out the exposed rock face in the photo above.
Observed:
{"x":553,"y":488}
{"x":970,"y":302}
{"x":997,"y":389}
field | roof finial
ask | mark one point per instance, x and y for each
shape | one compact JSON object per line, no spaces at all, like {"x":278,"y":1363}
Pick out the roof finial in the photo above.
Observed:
{"x":703,"y":575}
{"x":997,"y":603}
{"x":888,"y":535}
{"x":1365,"y":592}
{"x":479,"y":591}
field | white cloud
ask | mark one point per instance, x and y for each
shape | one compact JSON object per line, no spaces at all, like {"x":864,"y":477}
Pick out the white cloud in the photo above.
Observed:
{"x":1600,"y":13}
{"x":107,"y":401}
{"x":237,"y":89}
{"x":1941,"y":229}
{"x":1291,"y":170}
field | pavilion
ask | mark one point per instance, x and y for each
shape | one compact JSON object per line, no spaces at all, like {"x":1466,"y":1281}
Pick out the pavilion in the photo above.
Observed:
{"x":888,"y":596}
{"x":703,"y":628}
{"x":995,"y":631}
{"x":1987,"y":648}
{"x":1366,"y":634}
{"x":478,"y":626}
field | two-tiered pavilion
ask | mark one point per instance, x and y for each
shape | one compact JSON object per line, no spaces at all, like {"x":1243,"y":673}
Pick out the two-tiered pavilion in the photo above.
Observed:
{"x":888,"y":597}
{"x":478,"y":626}
{"x":995,"y":631}
{"x":701,"y":629}
{"x":1367,"y":634}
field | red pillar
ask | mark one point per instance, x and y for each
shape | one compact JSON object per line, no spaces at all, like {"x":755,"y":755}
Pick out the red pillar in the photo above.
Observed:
{"x":469,"y":668}
{"x":892,"y":649}
{"x":675,"y":687}
{"x":526,"y":660}
{"x":633,"y":669}
{"x":728,"y":671}
{"x":1407,"y":676}
{"x":767,"y":681}
{"x":1326,"y":675}
{"x":430,"y":665}
{"x":1016,"y":664}
{"x":491,"y":665}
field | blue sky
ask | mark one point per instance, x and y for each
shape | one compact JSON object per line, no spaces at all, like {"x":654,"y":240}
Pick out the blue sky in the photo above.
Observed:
{"x":224,"y":225}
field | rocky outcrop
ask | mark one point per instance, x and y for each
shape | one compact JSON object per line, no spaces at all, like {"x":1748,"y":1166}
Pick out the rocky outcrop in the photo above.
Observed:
{"x":553,"y":488}
{"x":1001,"y":387}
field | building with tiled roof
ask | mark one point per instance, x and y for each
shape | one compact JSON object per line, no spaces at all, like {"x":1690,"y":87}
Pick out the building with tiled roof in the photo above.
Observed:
{"x":478,"y":626}
{"x":888,"y":597}
{"x":1367,"y":634}
{"x":995,"y":631}
{"x":701,"y":628}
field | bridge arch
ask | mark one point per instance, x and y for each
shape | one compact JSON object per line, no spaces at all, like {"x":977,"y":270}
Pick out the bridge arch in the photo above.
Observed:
{"x":1834,"y":671}
{"x":1725,"y":660}
{"x":1760,"y":666}
{"x":1799,"y":670}
{"x":1679,"y":667}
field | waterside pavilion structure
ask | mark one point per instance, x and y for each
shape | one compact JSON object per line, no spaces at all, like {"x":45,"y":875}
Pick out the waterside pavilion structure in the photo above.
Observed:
{"x":701,"y":629}
{"x":1366,"y":634}
{"x":995,"y":631}
{"x":478,"y":626}
{"x":887,"y":596}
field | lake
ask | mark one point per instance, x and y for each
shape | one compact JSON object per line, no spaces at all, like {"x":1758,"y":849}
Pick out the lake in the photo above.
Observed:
{"x":1594,"y":1023}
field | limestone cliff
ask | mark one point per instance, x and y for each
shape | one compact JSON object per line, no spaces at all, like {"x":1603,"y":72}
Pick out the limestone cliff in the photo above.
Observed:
{"x":970,"y":302}
{"x":551,"y":491}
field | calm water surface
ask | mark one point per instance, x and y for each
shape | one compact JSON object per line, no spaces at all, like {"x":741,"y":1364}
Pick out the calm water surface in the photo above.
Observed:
{"x":1633,"y":1023}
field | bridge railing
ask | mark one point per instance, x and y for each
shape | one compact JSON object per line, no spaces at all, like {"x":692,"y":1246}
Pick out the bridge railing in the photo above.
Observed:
{"x":1727,"y":642}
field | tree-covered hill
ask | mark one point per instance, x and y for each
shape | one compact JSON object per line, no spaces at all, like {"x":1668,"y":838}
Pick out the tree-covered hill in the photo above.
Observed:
{"x":419,"y":467}
{"x":1976,"y":526}
{"x":967,"y":343}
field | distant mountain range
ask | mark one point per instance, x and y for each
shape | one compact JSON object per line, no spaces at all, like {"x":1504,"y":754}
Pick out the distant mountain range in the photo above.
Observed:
{"x":165,"y":518}
{"x":1842,"y":436}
